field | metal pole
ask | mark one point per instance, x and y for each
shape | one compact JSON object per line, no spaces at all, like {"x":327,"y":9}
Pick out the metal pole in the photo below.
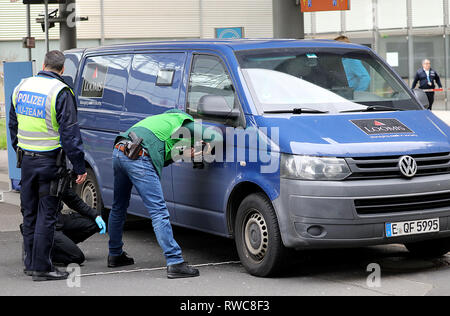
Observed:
{"x":102,"y":22}
{"x":410,"y":41}
{"x":47,"y":44}
{"x":375,"y":25}
{"x":287,"y":19}
{"x":446,"y":43}
{"x":343,"y":22}
{"x":29,"y":30}
{"x":200,"y":18}
{"x":68,"y":25}
{"x":313,"y":24}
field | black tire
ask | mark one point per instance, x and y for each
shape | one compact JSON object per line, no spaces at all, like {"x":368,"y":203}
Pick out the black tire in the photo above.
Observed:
{"x":434,"y":248}
{"x":257,"y":236}
{"x":89,"y":192}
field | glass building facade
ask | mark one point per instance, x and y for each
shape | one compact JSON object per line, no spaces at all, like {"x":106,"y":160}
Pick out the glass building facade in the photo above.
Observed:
{"x":404,"y":32}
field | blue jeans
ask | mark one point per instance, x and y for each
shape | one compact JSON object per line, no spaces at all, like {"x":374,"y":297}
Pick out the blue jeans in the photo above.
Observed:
{"x":141,"y":174}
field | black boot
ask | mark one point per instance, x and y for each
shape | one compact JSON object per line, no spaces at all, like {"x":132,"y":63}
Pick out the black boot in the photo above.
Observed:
{"x":55,"y":275}
{"x":120,"y":261}
{"x":181,"y":270}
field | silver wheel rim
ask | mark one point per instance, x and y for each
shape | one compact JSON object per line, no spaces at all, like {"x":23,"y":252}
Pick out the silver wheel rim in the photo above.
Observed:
{"x":256,"y":235}
{"x":89,"y":195}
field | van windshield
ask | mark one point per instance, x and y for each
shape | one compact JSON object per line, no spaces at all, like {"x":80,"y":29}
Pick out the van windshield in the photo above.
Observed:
{"x":326,"y":80}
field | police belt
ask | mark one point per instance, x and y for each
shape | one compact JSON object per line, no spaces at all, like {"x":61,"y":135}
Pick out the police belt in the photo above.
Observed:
{"x":51,"y":154}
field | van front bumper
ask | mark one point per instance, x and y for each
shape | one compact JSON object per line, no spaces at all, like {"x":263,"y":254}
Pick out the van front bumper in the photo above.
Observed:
{"x":322,"y":214}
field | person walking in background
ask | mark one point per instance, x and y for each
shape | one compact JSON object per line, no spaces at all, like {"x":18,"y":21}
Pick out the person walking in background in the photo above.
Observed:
{"x":427,"y":76}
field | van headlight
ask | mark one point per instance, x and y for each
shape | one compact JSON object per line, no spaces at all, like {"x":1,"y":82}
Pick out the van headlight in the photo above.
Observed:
{"x":313,"y":168}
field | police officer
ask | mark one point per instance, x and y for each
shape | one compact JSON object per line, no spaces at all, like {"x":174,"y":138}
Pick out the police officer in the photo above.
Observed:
{"x":43,"y":119}
{"x":427,"y":76}
{"x":143,"y":170}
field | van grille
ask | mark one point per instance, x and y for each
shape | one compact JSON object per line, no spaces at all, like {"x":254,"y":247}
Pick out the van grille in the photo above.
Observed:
{"x":402,"y":204}
{"x":386,"y":167}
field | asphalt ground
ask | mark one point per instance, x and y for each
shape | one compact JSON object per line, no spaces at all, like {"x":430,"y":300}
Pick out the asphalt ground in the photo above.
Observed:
{"x":325,"y":272}
{"x":343,"y":272}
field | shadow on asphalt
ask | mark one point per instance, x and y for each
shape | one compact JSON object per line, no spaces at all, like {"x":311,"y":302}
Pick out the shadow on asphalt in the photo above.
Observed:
{"x":201,"y":247}
{"x":204,"y":247}
{"x":393,"y":260}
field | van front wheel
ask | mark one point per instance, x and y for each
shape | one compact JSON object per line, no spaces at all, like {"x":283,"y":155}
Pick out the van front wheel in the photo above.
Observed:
{"x":257,"y":236}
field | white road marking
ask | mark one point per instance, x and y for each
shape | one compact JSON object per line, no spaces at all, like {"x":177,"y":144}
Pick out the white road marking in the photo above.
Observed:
{"x":157,"y":269}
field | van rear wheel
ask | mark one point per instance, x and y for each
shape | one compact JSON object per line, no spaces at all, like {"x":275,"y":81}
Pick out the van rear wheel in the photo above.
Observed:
{"x":89,"y":191}
{"x":257,"y":236}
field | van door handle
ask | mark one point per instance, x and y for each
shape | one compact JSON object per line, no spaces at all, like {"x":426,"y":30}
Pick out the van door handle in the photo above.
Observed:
{"x":198,"y":165}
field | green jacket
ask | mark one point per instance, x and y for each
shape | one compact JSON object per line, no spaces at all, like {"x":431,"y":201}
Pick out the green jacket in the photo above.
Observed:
{"x":157,"y":130}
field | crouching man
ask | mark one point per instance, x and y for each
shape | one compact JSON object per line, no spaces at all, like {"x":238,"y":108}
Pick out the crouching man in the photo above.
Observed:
{"x":140,"y":166}
{"x":73,"y":228}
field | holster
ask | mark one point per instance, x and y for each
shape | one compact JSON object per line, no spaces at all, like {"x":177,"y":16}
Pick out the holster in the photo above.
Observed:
{"x":134,"y":148}
{"x":64,"y":176}
{"x":19,"y":156}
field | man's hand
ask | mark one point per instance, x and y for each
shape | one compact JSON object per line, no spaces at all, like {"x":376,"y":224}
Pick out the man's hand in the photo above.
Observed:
{"x":207,"y":150}
{"x":81,"y":178}
{"x":189,"y":153}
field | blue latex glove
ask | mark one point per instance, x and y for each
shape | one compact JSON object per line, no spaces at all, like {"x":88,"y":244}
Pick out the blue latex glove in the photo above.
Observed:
{"x":101,"y":224}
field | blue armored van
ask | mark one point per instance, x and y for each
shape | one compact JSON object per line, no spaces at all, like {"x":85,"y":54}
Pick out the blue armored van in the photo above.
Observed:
{"x":324,"y":144}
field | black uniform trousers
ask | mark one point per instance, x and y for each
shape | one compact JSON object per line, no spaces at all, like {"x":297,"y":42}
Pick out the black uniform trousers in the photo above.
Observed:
{"x":430,"y":96}
{"x":75,"y":229}
{"x":39,"y":211}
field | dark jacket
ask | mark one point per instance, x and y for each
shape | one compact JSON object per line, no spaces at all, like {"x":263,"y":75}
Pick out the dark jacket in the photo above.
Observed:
{"x":66,"y":115}
{"x":421,"y":77}
{"x":74,"y":202}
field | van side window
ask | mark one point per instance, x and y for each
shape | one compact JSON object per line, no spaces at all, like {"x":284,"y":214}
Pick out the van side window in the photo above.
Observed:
{"x":104,"y":81}
{"x":155,"y":78}
{"x":209,"y":77}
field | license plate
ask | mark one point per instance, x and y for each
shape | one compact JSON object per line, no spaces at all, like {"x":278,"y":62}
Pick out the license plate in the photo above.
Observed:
{"x":412,"y":227}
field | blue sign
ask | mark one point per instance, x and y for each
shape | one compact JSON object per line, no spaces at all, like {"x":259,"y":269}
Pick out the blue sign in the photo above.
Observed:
{"x":14,"y":73}
{"x":230,"y":32}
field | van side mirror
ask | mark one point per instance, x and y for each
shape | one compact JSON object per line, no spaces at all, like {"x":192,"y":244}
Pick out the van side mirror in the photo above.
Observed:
{"x":216,"y":106}
{"x":422,"y":98}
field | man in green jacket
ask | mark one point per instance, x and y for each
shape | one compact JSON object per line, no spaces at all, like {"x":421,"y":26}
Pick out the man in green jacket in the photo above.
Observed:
{"x":159,"y":134}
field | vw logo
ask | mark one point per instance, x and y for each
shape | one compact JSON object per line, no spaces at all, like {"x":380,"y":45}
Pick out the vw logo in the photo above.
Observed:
{"x":407,"y":166}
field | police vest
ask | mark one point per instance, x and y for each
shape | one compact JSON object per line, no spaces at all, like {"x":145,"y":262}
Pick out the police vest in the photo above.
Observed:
{"x":34,"y":101}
